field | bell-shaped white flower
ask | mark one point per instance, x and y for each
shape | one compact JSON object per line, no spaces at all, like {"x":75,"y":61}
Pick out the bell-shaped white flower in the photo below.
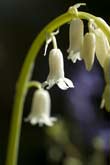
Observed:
{"x":56,"y":71}
{"x":40,"y":110}
{"x":88,"y":50}
{"x":102,"y":43}
{"x":76,"y":32}
{"x":102,"y":46}
{"x":106,"y":98}
{"x":107,"y":69}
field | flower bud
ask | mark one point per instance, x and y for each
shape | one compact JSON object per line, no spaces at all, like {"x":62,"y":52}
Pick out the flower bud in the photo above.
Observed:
{"x":102,"y":46}
{"x":76,"y":33}
{"x":40,"y":110}
{"x":88,"y":50}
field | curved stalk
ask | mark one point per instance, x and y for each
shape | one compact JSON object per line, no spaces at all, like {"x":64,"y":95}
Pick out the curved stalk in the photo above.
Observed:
{"x":25,"y":75}
{"x":21,"y":88}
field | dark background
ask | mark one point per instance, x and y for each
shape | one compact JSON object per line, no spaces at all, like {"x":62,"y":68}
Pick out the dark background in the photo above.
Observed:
{"x":20,"y":22}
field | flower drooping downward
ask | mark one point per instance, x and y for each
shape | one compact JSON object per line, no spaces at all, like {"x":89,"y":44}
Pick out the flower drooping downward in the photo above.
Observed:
{"x":76,"y":33}
{"x":102,"y":43}
{"x":40,"y":110}
{"x":56,"y":73}
{"x":106,"y":94}
{"x":88,"y":50}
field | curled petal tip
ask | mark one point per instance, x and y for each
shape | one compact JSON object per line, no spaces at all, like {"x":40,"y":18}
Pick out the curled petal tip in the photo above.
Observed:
{"x":69,"y":82}
{"x":74,"y":56}
{"x":65,"y":83}
{"x":62,"y":85}
{"x":79,"y":4}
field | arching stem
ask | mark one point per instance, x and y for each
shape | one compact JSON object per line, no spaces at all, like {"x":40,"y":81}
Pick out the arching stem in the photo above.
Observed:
{"x":25,"y":75}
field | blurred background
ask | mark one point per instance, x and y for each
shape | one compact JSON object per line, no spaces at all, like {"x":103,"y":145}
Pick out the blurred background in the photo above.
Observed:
{"x":82,"y":133}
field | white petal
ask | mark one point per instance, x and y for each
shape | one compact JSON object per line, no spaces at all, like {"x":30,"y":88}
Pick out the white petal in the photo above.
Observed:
{"x":69,"y":82}
{"x":48,"y":84}
{"x":50,"y":121}
{"x":74,"y":56}
{"x":62,"y":85}
{"x":65,"y":83}
{"x":46,"y":120}
{"x":32,"y":120}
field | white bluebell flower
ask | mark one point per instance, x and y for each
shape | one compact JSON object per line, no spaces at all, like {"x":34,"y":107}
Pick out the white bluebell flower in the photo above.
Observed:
{"x":40,"y":110}
{"x":88,"y":50}
{"x":76,"y":33}
{"x":102,"y":46}
{"x":102,"y":43}
{"x":56,"y":71}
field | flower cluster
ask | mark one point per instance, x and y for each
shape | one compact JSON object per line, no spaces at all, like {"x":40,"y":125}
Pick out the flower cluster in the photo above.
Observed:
{"x":85,"y":46}
{"x":81,"y":47}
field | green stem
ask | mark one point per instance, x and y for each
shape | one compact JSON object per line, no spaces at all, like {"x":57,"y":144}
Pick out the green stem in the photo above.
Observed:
{"x":100,"y":23}
{"x":34,"y":84}
{"x":21,"y":90}
{"x":54,"y":42}
{"x":25,"y":75}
